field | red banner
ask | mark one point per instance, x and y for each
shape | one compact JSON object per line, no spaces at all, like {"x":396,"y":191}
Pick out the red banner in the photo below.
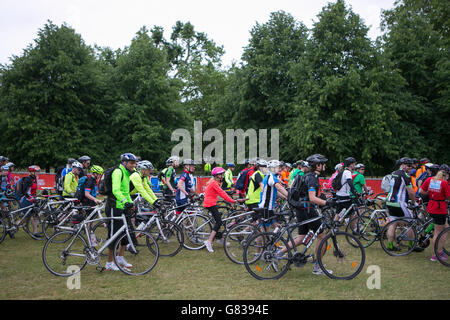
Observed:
{"x":47,"y":180}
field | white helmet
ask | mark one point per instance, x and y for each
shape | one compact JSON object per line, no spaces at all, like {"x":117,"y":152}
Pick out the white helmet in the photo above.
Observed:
{"x":78,"y":165}
{"x":273,"y":164}
{"x":173,"y":159}
{"x":261,"y":163}
{"x":144,"y":164}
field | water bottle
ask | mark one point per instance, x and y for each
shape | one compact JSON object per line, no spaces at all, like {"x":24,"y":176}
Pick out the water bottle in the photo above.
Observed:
{"x":429,"y":228}
{"x":308,"y":238}
{"x":276,"y":230}
{"x":341,"y":214}
{"x":140,"y":226}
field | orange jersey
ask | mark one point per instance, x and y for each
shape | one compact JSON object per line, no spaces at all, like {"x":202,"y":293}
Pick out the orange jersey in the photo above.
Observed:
{"x":285,"y":176}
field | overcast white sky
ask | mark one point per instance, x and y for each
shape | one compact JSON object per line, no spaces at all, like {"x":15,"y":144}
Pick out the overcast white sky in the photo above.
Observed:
{"x":114,"y":23}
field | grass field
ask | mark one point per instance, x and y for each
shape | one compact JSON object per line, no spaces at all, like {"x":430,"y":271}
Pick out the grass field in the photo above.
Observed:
{"x":200,"y":275}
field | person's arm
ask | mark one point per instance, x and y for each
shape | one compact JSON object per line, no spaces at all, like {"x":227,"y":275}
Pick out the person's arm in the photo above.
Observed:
{"x":180,"y":185}
{"x":223,"y":194}
{"x":409,"y":189}
{"x":282,"y":193}
{"x":136,"y":179}
{"x":67,"y":182}
{"x":87,"y":191}
{"x":167,"y":179}
{"x":229,"y":178}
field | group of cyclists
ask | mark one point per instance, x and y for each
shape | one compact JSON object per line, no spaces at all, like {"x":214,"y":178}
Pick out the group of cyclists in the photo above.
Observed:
{"x":258,"y":185}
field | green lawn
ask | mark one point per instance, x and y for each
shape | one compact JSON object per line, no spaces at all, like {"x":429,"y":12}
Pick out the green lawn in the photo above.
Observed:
{"x":202,"y":275}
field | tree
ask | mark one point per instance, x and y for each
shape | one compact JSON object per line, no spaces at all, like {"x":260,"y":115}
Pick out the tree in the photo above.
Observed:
{"x":417,"y":42}
{"x":349,"y":101}
{"x":49,"y":99}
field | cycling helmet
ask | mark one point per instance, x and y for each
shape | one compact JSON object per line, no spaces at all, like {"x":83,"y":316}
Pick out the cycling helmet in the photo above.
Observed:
{"x":305,"y":164}
{"x":172,"y":159}
{"x":288,"y":165}
{"x":273,"y":164}
{"x":359,"y":166}
{"x":424,"y":160}
{"x":4,"y":168}
{"x":445,"y":168}
{"x":428,"y":165}
{"x":338,"y":166}
{"x":435,"y":168}
{"x":97,"y":169}
{"x":261,"y":163}
{"x":144,"y":164}
{"x":10,"y":164}
{"x":128,"y":157}
{"x":253,"y":160}
{"x":230,"y":165}
{"x":187,"y":162}
{"x":415,"y":161}
{"x":316,"y":158}
{"x":406,"y":160}
{"x":71,"y":160}
{"x":348,"y":161}
{"x":78,"y":165}
{"x":34,"y":168}
{"x":217,"y":170}
{"x":84,"y":158}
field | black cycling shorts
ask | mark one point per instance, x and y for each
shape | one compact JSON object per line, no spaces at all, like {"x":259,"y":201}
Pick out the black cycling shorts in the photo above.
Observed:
{"x":306,"y":214}
{"x":439,"y":219}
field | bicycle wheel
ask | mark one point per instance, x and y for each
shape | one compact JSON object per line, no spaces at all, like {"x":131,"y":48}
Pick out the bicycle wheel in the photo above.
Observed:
{"x":169,"y":238}
{"x":99,"y":234}
{"x":260,"y":258}
{"x":444,"y":241}
{"x":144,"y":259}
{"x":33,"y":225}
{"x":343,"y":254}
{"x":63,"y":253}
{"x":398,"y":237}
{"x":196,"y":229}
{"x":2,"y":230}
{"x":235,"y":240}
{"x":364,"y":229}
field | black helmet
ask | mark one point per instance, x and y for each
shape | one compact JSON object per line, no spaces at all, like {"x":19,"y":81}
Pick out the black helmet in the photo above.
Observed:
{"x":348,"y":161}
{"x":71,"y":160}
{"x":316,"y":158}
{"x":406,"y":160}
{"x":415,"y":161}
{"x":445,"y":168}
{"x":84,"y":158}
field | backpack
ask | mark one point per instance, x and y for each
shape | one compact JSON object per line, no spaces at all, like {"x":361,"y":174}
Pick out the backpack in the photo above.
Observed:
{"x":240,"y":181}
{"x":297,"y":191}
{"x":18,"y":187}
{"x":59,"y":181}
{"x":79,"y":194}
{"x":105,"y":184}
{"x":386,"y":182}
{"x":336,"y":184}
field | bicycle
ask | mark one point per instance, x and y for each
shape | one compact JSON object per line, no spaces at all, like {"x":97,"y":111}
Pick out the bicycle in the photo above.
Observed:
{"x":29,"y":218}
{"x":340,"y":251}
{"x":407,"y":234}
{"x":368,"y":227}
{"x":67,"y":252}
{"x":442,"y":239}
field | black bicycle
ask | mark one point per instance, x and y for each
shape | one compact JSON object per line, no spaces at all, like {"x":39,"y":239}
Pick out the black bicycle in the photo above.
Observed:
{"x":341,"y":252}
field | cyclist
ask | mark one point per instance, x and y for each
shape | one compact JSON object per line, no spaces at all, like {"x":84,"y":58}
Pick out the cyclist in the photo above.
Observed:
{"x":85,"y":162}
{"x":256,"y":185}
{"x":213,"y":191}
{"x":185,"y":186}
{"x":422,"y":167}
{"x":309,"y":187}
{"x":120,"y":203}
{"x":68,"y":167}
{"x":140,"y":182}
{"x":10,"y":179}
{"x":244,"y":171}
{"x":27,"y":191}
{"x":71,"y":180}
{"x":4,"y":170}
{"x":285,"y":174}
{"x":169,"y":175}
{"x":91,"y":187}
{"x":295,"y":167}
{"x":438,"y":191}
{"x":337,"y":168}
{"x":397,"y":199}
{"x":228,"y":183}
{"x":344,"y":194}
{"x":207,"y":167}
{"x":359,"y":181}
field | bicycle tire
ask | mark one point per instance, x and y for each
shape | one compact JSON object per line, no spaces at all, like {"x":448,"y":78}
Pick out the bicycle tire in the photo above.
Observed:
{"x":28,"y":225}
{"x":235,"y":239}
{"x":345,"y":256}
{"x":446,"y":246}
{"x":173,"y":243}
{"x":145,"y":259}
{"x":194,"y":236}
{"x":260,"y":259}
{"x":402,"y":242}
{"x":365,"y":229}
{"x":55,"y":253}
{"x":2,"y":230}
